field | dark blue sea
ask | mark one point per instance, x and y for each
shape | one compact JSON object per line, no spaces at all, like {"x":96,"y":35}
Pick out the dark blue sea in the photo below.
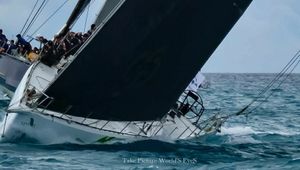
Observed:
{"x":267,"y":138}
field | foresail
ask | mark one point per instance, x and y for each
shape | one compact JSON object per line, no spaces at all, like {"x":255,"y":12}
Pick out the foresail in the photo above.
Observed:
{"x":124,"y":72}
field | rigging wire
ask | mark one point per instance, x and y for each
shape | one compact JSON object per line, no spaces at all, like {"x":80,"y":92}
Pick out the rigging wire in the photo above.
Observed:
{"x":55,"y":12}
{"x":80,"y":15}
{"x":278,"y":76}
{"x":40,"y":11}
{"x":267,"y":97}
{"x":29,"y":16}
{"x":280,"y":79}
{"x":87,"y":15}
{"x":37,"y":14}
{"x":32,"y":19}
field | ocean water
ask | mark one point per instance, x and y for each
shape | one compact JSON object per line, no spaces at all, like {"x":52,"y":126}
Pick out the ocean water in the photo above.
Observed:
{"x":268,"y":138}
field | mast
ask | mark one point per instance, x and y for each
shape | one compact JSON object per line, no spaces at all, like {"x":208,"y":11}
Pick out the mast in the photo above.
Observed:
{"x":79,"y":8}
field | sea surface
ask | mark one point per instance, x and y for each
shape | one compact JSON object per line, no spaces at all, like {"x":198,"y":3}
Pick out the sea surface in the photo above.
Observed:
{"x":267,"y":138}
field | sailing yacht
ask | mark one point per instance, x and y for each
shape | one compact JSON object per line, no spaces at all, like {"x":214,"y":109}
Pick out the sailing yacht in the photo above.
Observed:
{"x":12,"y":69}
{"x":125,"y":82}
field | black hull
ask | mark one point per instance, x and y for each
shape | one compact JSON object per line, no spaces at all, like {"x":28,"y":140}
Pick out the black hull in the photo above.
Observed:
{"x":137,"y":66}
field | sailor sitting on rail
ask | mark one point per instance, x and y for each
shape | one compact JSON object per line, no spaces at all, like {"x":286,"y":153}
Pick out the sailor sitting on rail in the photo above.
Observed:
{"x":22,"y":42}
{"x":12,"y":48}
{"x":47,"y":55}
{"x":3,"y":38}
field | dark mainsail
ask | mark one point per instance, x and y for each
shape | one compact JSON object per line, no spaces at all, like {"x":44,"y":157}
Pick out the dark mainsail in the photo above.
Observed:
{"x":139,"y":63}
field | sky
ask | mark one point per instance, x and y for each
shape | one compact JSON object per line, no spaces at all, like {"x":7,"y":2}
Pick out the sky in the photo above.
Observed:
{"x":263,"y":40}
{"x":14,"y":13}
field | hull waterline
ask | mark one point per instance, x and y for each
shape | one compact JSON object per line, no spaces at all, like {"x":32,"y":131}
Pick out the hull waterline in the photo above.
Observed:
{"x":49,"y":129}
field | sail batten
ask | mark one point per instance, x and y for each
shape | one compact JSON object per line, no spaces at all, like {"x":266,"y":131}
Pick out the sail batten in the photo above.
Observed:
{"x":143,"y":58}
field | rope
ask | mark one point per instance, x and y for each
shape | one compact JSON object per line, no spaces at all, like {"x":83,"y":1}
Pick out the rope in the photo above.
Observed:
{"x":55,"y":12}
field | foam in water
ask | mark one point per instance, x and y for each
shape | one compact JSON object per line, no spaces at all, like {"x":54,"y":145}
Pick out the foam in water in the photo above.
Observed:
{"x":284,"y":133}
{"x":237,"y":131}
{"x":238,"y":135}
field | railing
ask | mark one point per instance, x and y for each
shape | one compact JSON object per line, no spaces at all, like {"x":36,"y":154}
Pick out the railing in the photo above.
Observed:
{"x":190,"y":105}
{"x":35,"y":98}
{"x":40,"y":101}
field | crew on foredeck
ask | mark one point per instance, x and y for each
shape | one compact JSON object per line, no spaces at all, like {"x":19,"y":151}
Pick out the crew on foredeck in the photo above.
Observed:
{"x":61,"y":47}
{"x":50,"y":52}
{"x":20,"y":47}
{"x":92,"y":29}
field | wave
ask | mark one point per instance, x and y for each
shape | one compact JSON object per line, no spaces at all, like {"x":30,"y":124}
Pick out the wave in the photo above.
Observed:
{"x":284,"y":133}
{"x":247,"y":130}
